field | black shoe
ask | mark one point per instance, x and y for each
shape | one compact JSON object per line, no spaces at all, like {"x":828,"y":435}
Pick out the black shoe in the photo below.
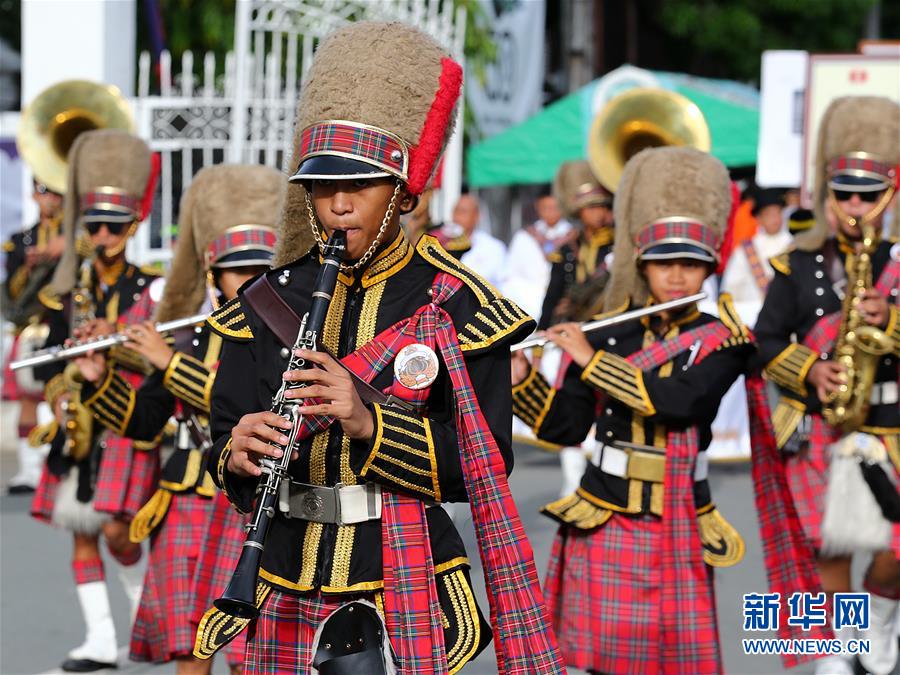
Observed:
{"x":20,"y":490}
{"x":85,"y":665}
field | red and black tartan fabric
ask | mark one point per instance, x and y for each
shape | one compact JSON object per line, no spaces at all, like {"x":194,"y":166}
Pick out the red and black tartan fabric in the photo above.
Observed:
{"x":280,"y":640}
{"x":223,"y":537}
{"x":166,"y":624}
{"x":45,"y":496}
{"x":524,"y":640}
{"x":689,"y":639}
{"x":241,"y":237}
{"x":853,"y":164}
{"x":127,"y":477}
{"x":789,"y":557}
{"x":11,"y":391}
{"x":603,"y":593}
{"x":366,"y":143}
{"x":689,"y":230}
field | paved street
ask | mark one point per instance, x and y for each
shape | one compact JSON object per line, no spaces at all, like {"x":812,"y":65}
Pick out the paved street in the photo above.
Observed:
{"x":40,"y":619}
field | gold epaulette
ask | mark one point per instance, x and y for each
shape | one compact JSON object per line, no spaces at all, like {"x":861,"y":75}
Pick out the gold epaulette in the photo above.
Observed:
{"x":8,"y":246}
{"x":555,"y":257}
{"x":740,"y":334}
{"x":781,"y":262}
{"x":151,"y":271}
{"x":230,"y":322}
{"x":496,"y":318}
{"x":49,"y":300}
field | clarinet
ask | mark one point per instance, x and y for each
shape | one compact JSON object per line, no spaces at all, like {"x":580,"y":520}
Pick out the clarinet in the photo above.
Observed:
{"x":239,"y":598}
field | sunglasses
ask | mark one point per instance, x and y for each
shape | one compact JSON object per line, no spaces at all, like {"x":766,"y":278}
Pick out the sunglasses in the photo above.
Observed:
{"x":112,"y":228}
{"x":847,"y":195}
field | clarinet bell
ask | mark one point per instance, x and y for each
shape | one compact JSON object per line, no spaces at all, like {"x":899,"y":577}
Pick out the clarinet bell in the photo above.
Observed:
{"x":239,"y":598}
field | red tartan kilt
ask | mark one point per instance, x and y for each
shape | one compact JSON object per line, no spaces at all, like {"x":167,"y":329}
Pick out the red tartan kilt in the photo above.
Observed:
{"x":45,"y":497}
{"x":280,"y":640}
{"x":223,"y":539}
{"x":807,"y":475}
{"x":126,"y":479}
{"x":165,"y":626}
{"x":11,"y":390}
{"x":603,"y":592}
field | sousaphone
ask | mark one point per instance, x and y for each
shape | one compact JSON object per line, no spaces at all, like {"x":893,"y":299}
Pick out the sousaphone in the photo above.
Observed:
{"x":639,"y":118}
{"x":55,"y":118}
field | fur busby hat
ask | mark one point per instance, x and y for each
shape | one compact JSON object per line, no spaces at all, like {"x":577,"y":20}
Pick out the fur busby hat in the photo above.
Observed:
{"x":575,"y":187}
{"x":672,"y":202}
{"x":108,"y":175}
{"x":857,"y":151}
{"x":379,"y":100}
{"x":227,"y":219}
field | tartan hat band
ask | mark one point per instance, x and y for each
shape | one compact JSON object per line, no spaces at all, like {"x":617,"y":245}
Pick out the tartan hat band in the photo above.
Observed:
{"x":241,"y":238}
{"x":678,"y":230}
{"x":110,"y":199}
{"x":880,"y":174}
{"x":351,"y":140}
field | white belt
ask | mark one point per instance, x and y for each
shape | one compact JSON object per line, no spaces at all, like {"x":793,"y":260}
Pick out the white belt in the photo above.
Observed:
{"x":615,"y":461}
{"x":885,"y":393}
{"x":341,"y":504}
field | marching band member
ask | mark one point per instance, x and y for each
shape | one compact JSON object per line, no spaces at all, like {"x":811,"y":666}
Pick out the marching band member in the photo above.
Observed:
{"x":374,"y":116}
{"x":94,"y":481}
{"x":31,"y":257}
{"x":629,"y":583}
{"x":226,"y":237}
{"x":803,"y":328}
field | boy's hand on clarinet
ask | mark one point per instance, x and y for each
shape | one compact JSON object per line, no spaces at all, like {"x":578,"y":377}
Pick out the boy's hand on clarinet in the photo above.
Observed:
{"x":253,"y":438}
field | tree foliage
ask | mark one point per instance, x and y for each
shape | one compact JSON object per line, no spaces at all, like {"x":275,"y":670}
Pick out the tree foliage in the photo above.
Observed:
{"x":726,"y":38}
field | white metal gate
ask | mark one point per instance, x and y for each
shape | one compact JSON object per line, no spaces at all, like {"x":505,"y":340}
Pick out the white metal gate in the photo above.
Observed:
{"x":247,"y":114}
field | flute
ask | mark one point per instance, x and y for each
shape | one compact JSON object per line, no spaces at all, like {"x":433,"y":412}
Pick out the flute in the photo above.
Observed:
{"x":624,"y":317}
{"x":65,"y":352}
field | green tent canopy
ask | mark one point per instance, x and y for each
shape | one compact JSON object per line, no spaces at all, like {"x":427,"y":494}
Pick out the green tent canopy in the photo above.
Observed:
{"x":532,"y":151}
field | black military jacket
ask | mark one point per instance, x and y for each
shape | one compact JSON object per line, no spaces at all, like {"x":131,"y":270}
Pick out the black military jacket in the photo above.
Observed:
{"x":566,"y":270}
{"x":804,"y":289}
{"x":640,"y":407}
{"x":19,"y":277}
{"x":141,"y":414}
{"x":409,"y":452}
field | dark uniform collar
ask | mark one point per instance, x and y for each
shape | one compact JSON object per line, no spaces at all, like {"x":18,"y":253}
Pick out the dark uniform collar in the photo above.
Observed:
{"x":653,"y":322}
{"x":389,"y":260}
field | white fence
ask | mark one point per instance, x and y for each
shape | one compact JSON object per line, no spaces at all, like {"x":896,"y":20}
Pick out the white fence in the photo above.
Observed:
{"x":246,"y":113}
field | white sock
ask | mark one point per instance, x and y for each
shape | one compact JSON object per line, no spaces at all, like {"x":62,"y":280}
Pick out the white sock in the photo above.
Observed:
{"x":132,"y":578}
{"x":882,"y":641}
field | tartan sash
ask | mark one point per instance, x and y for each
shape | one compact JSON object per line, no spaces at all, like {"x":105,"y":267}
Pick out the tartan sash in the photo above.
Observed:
{"x":688,"y":626}
{"x":824,"y":333}
{"x":756,"y":266}
{"x":788,"y":554}
{"x":524,"y":640}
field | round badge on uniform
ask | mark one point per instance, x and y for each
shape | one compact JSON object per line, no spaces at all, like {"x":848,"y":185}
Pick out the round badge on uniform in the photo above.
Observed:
{"x":416,"y":366}
{"x":895,"y":252}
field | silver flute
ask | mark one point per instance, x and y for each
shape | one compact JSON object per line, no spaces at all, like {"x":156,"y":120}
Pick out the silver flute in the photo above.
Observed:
{"x":73,"y":349}
{"x":624,"y":317}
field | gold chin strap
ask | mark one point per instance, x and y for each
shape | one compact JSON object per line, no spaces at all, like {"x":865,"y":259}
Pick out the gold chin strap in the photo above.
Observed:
{"x":367,"y":256}
{"x":866,"y":219}
{"x":211,"y":290}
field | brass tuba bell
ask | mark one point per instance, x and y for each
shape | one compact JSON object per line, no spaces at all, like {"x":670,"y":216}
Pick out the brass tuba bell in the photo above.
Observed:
{"x":639,"y":118}
{"x":54,"y":119}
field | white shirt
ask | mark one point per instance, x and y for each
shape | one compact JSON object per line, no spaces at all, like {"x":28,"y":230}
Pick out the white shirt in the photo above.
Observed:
{"x":487,"y":257}
{"x":739,"y":280}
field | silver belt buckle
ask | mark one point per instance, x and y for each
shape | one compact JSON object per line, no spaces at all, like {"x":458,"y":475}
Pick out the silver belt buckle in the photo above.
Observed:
{"x":316,"y":503}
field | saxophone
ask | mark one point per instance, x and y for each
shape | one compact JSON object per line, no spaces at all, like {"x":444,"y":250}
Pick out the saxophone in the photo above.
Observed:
{"x":79,"y":421}
{"x":859,"y":346}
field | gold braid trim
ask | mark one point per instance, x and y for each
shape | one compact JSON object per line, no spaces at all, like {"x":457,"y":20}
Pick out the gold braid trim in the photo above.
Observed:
{"x":189,"y":379}
{"x":893,"y":328}
{"x":790,"y":368}
{"x":217,"y":629}
{"x":786,"y":418}
{"x":230,"y":322}
{"x":17,"y":282}
{"x":577,"y":512}
{"x":150,"y":516}
{"x":113,"y":403}
{"x":723,"y":546}
{"x":403,"y":452}
{"x":781,"y":263}
{"x":532,"y":398}
{"x":614,"y":375}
